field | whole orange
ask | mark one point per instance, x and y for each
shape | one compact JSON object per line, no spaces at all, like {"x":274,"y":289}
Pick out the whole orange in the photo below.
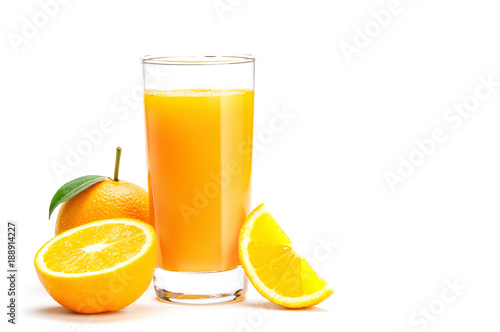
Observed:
{"x":104,"y":200}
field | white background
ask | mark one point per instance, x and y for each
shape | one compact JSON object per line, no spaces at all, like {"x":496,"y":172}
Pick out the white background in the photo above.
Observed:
{"x":322,"y":177}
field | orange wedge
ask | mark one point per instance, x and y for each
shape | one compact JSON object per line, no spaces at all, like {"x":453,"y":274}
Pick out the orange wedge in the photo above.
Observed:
{"x":100,"y":266}
{"x":274,"y":268}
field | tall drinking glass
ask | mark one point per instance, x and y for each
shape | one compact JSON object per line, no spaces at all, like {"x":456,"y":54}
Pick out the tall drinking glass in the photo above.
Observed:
{"x":199,"y":127}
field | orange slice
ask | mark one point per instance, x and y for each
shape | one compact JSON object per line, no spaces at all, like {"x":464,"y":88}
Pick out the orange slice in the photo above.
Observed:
{"x":100,"y":266}
{"x":274,"y":268}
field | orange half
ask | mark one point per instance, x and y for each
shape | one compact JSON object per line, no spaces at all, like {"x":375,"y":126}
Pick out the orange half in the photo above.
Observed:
{"x":100,"y":266}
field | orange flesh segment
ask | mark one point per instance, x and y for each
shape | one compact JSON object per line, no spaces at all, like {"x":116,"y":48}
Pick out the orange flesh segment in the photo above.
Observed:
{"x":311,"y":280}
{"x":261,"y":253}
{"x":266,"y":229}
{"x":271,"y":273}
{"x":291,"y":282}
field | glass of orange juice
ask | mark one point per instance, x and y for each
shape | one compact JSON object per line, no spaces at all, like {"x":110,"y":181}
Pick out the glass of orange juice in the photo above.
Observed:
{"x":199,"y":128}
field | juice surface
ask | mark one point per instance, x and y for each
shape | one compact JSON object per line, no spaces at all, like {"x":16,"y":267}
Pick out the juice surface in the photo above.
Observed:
{"x":199,"y":172}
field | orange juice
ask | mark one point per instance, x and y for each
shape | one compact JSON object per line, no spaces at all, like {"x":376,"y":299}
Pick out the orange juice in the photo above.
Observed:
{"x":199,"y":170}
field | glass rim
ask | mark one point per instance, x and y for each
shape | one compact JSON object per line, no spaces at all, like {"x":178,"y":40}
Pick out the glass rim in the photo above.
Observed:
{"x":196,"y":60}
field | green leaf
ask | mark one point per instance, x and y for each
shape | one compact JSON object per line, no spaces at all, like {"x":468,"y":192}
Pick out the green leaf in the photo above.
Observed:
{"x":73,"y":188}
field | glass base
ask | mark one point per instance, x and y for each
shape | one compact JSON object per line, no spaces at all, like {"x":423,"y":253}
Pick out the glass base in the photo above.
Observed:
{"x":200,"y":287}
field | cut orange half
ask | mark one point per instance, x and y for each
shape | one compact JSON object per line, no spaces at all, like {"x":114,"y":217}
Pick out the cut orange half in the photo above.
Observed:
{"x":274,"y":268}
{"x":100,"y":266}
